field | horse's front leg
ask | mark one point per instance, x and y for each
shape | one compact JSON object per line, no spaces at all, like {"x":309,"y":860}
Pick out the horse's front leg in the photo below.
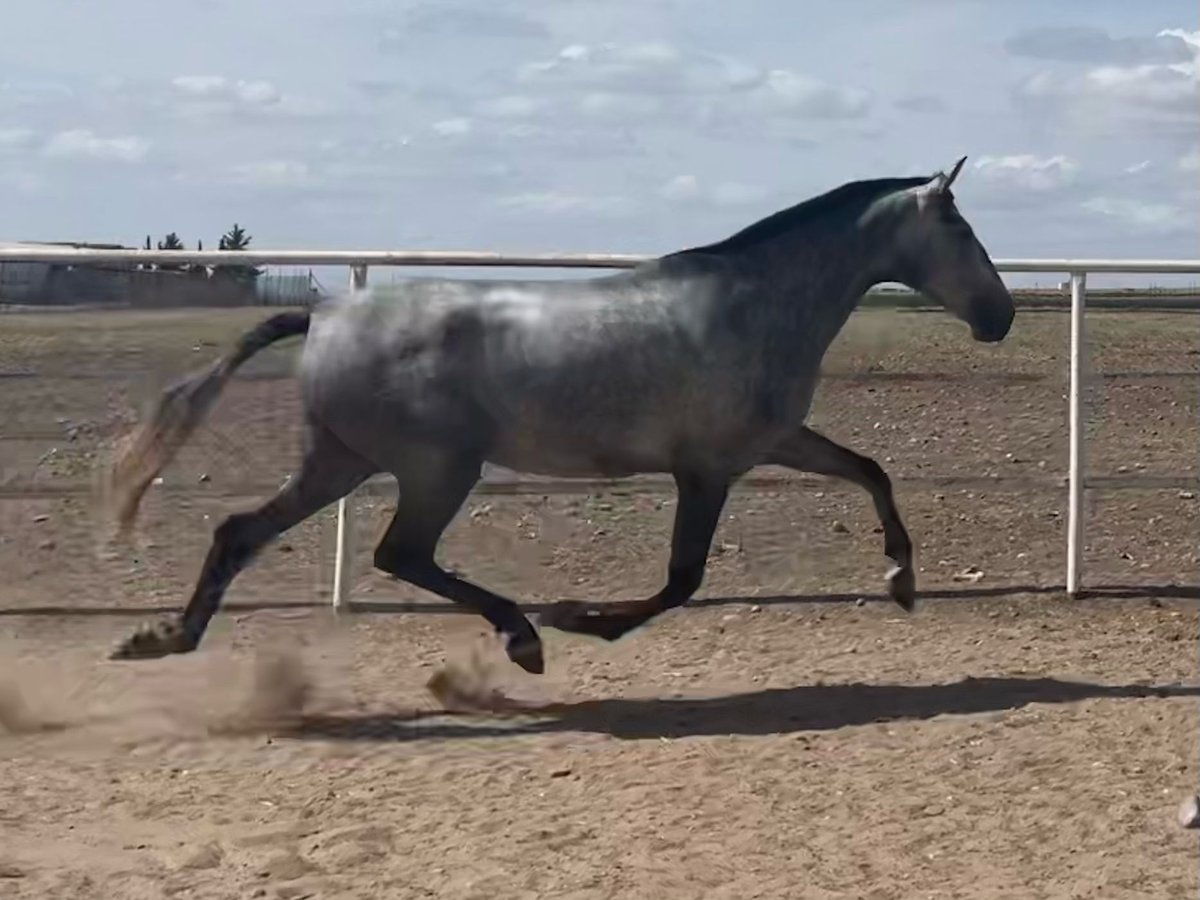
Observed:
{"x":808,"y":451}
{"x":701,"y":499}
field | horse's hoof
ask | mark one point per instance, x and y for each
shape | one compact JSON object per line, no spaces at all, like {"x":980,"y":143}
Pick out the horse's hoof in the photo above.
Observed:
{"x":526,"y":651}
{"x":902,"y":587}
{"x":154,"y":642}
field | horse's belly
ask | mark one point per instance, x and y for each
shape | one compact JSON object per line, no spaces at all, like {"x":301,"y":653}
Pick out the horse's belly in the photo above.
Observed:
{"x":550,"y":455}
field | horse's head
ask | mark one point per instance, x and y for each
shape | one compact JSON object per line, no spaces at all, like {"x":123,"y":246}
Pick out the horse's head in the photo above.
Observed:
{"x":939,"y":255}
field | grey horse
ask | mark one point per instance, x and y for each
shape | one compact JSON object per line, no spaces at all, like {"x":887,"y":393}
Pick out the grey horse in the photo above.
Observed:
{"x":701,"y":364}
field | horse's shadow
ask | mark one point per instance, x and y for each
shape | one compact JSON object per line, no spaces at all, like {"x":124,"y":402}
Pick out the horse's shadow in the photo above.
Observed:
{"x":772,"y":711}
{"x":425,"y":606}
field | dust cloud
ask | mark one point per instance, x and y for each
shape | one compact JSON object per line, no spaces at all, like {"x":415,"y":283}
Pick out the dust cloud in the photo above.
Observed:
{"x":17,"y":715}
{"x":278,"y":699}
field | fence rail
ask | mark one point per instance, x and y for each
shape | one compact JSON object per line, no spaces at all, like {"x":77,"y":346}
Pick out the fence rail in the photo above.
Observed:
{"x":359,"y":261}
{"x":456,"y":258}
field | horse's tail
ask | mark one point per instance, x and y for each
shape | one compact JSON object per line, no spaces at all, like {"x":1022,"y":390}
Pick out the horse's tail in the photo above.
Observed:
{"x":180,"y":408}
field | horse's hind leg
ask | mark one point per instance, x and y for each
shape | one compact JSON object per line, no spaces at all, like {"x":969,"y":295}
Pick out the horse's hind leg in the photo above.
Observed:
{"x":329,"y":472}
{"x":808,"y":451}
{"x":701,"y":499}
{"x":431,"y":495}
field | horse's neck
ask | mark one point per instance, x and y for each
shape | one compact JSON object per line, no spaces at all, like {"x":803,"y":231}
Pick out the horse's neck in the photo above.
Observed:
{"x":813,"y":284}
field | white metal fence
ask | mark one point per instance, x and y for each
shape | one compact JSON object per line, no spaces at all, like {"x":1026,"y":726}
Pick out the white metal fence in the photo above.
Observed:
{"x":359,"y":262}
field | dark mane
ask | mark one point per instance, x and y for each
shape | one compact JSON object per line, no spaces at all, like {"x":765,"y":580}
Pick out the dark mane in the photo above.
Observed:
{"x":794,"y":216}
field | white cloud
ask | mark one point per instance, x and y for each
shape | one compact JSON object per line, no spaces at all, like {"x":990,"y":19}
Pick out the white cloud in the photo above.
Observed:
{"x":1190,"y":161}
{"x":1093,"y":45}
{"x":1150,"y":83}
{"x":1140,"y":214}
{"x":209,"y":96}
{"x":453,"y":127}
{"x":633,"y":79}
{"x":1191,"y":38}
{"x":200,"y":85}
{"x":784,"y":91}
{"x":605,"y":104}
{"x":82,"y":143}
{"x":273,"y":173}
{"x":558,"y":203}
{"x":216,"y":87}
{"x":1163,"y":86}
{"x":549,"y":140}
{"x":1026,"y":171}
{"x":681,"y":187}
{"x":1138,"y":167}
{"x":656,"y":67}
{"x":258,"y":93}
{"x":513,"y":106}
{"x":15,"y":138}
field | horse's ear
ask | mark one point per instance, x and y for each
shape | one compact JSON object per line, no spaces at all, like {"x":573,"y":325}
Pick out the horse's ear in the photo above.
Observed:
{"x":944,"y":181}
{"x":938,"y":184}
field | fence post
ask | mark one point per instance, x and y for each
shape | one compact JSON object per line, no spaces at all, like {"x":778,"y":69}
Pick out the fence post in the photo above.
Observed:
{"x":1075,"y":473}
{"x":343,"y":560}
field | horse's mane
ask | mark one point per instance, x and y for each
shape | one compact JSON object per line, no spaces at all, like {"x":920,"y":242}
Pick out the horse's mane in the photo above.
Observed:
{"x":785,"y":220}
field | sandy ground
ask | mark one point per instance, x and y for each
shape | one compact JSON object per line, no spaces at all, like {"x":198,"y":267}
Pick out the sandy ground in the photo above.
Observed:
{"x":788,"y":735}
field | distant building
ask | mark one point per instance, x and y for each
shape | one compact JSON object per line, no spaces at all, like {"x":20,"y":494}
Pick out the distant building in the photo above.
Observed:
{"x":132,"y":284}
{"x":33,"y":283}
{"x":287,"y":289}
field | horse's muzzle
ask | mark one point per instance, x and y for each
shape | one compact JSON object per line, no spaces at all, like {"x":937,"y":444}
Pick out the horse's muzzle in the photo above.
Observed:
{"x":994,"y":328}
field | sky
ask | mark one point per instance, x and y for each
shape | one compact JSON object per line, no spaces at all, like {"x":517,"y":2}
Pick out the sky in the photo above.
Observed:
{"x":632,"y":126}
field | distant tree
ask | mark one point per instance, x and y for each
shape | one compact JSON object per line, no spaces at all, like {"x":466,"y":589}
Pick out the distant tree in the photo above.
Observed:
{"x":237,"y":239}
{"x":171,"y":242}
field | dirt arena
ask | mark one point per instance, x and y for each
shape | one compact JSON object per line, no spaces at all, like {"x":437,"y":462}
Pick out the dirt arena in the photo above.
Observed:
{"x":790,"y":734}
